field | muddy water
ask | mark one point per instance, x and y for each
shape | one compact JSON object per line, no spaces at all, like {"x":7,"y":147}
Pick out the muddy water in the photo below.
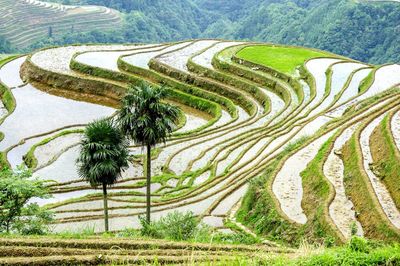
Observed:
{"x":317,"y":68}
{"x":381,"y":192}
{"x":354,"y":85}
{"x":205,"y":59}
{"x":349,"y":93}
{"x":340,"y":74}
{"x":9,"y":73}
{"x":142,"y":59}
{"x":287,"y":185}
{"x":180,"y":161}
{"x":227,"y":204}
{"x":341,"y":209}
{"x":58,"y":59}
{"x":385,"y":78}
{"x":232,"y":155}
{"x":178,"y":59}
{"x":132,"y":221}
{"x":194,"y":118}
{"x":38,"y":112}
{"x":49,"y":151}
{"x":109,"y":60}
{"x":213,"y":221}
{"x":201,"y":178}
{"x":223,"y":120}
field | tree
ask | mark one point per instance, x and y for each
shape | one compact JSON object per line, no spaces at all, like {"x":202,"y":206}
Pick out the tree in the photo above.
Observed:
{"x":103,"y":157}
{"x":50,"y":32}
{"x":147,"y":121}
{"x":17,"y":188}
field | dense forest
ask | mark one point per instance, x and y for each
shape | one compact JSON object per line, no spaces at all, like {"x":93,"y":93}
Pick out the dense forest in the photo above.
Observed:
{"x":5,"y":46}
{"x":367,"y":31}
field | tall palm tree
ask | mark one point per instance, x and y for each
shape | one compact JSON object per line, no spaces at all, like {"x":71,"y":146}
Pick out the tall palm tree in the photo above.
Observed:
{"x":103,"y":157}
{"x":147,"y":121}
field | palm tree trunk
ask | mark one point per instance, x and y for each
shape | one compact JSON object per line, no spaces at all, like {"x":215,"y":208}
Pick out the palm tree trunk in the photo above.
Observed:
{"x":148,"y":183}
{"x":105,"y":206}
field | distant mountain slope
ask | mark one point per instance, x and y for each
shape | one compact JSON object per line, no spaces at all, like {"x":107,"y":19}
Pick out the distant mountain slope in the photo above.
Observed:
{"x":365,"y":30}
{"x":27,"y":21}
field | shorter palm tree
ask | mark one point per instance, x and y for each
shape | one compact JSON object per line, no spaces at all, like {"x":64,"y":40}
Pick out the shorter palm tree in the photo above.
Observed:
{"x":147,"y":121}
{"x":103,"y":157}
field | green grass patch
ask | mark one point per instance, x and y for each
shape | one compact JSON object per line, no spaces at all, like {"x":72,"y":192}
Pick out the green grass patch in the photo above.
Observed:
{"x":386,"y":158}
{"x":362,"y":195}
{"x":6,"y":95}
{"x":316,"y":195}
{"x":358,"y":252}
{"x":282,"y":59}
{"x":367,"y":82}
{"x":259,"y":212}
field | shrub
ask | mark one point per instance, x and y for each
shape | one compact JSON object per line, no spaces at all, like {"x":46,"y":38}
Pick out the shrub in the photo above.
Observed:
{"x":34,"y":221}
{"x":174,"y":226}
{"x":151,"y":229}
{"x":17,"y":188}
{"x":359,"y":244}
{"x":179,"y":226}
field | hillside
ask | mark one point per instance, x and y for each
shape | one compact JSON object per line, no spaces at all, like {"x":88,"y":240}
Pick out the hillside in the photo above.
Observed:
{"x":363,"y":30}
{"x":301,"y":148}
{"x":28,"y":21}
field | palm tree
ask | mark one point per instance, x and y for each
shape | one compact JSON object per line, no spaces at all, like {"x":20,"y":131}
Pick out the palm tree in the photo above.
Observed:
{"x":103,"y":157}
{"x":147,"y":121}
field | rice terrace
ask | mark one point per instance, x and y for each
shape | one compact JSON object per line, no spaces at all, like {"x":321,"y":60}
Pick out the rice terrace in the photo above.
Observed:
{"x":277,"y":151}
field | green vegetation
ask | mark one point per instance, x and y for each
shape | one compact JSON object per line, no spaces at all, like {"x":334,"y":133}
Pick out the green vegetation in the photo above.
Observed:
{"x":27,"y":23}
{"x":5,"y":47}
{"x":188,"y":168}
{"x":386,"y":158}
{"x":200,"y":103}
{"x":317,"y":195}
{"x":6,"y":96}
{"x":174,"y":226}
{"x":367,"y":82}
{"x":282,"y":59}
{"x":17,"y":188}
{"x":358,"y":252}
{"x":103,"y":157}
{"x":258,"y":209}
{"x":358,"y":188}
{"x":129,"y":248}
{"x":362,"y":30}
{"x":147,"y":121}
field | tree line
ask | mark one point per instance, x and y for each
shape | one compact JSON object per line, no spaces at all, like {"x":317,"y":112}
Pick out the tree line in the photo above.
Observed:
{"x":366,"y":31}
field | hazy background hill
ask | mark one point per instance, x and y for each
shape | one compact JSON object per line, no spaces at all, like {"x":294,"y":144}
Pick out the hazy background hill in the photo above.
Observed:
{"x":364,"y":30}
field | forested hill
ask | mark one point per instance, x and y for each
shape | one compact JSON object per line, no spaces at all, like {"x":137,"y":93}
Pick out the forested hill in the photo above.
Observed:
{"x":365,"y":30}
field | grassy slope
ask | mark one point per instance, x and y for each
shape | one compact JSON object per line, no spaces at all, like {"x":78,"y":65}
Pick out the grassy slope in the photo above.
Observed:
{"x":258,"y":210}
{"x":357,"y":188}
{"x":386,"y":158}
{"x":283,"y":59}
{"x":4,"y":56}
{"x":362,"y":253}
{"x":317,"y":193}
